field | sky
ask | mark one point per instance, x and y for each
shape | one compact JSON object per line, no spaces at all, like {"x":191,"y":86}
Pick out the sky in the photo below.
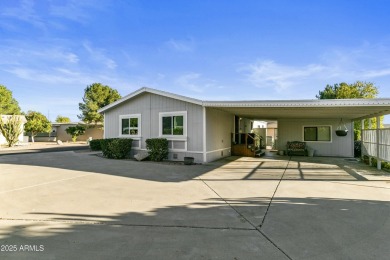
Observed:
{"x":51,"y":50}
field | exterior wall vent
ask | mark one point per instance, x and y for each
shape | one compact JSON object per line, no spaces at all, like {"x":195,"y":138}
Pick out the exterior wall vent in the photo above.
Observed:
{"x":175,"y":156}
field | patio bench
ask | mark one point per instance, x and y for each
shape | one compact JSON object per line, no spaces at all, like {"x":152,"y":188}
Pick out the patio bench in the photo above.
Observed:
{"x":296,"y":148}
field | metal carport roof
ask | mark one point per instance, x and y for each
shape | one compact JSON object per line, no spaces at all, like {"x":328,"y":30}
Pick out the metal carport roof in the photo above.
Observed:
{"x":320,"y":109}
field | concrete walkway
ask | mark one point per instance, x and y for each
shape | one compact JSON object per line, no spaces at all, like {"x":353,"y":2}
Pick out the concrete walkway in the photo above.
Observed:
{"x":68,"y":205}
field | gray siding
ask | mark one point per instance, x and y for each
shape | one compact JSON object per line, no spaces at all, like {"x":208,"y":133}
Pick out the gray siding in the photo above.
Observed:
{"x":138,"y":105}
{"x":220,"y":125}
{"x":149,"y":106}
{"x":292,"y":130}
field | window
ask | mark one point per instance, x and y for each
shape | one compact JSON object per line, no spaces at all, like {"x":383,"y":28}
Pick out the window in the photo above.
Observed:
{"x":130,"y":125}
{"x":173,"y":124}
{"x":317,"y":133}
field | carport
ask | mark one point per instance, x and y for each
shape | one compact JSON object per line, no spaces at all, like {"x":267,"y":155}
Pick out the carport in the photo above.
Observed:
{"x":294,"y":115}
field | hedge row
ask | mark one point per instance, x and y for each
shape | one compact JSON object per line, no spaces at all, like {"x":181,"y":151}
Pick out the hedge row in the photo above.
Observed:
{"x":157,"y":148}
{"x":113,"y":148}
{"x":374,"y":162}
{"x":119,"y":148}
{"x":95,"y":145}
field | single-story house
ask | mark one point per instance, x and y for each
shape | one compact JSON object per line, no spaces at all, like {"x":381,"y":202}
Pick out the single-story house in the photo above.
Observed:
{"x":209,"y":130}
{"x":94,"y":131}
{"x":5,"y":119}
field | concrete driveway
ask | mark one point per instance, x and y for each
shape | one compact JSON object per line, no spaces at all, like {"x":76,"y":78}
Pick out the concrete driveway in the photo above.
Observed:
{"x":76,"y":205}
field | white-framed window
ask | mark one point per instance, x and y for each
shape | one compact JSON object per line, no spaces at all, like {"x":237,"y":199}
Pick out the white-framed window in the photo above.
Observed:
{"x":173,"y":124}
{"x":321,"y":133}
{"x":130,"y":125}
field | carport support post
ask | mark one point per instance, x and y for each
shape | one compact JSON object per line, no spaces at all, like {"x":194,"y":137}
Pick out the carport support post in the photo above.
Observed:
{"x":361,"y":138}
{"x":378,"y":125}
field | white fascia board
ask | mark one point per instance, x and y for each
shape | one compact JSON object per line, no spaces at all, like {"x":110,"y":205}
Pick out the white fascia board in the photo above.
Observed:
{"x":300,"y":103}
{"x":153,"y":91}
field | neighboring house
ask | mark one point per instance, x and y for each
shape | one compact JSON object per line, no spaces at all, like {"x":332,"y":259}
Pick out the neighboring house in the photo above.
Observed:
{"x":58,"y":132}
{"x":5,"y":119}
{"x":94,"y":131}
{"x":209,"y":130}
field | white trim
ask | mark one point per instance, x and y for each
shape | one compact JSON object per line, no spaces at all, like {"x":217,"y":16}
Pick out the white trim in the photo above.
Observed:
{"x":194,"y":152}
{"x":169,"y":138}
{"x":176,"y":151}
{"x":139,"y":139}
{"x":129,"y":116}
{"x":330,"y":132}
{"x":153,"y":91}
{"x":219,"y":150}
{"x":300,"y":103}
{"x":204,"y":135}
{"x":139,"y":149}
{"x":104,"y":126}
{"x":171,"y":114}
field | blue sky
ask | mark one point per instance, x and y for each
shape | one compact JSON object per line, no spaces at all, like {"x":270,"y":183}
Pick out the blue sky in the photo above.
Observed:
{"x":213,"y":50}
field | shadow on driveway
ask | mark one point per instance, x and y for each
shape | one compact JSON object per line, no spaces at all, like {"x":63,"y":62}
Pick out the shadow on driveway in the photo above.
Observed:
{"x":235,"y":208}
{"x":304,"y":228}
{"x":231,"y":168}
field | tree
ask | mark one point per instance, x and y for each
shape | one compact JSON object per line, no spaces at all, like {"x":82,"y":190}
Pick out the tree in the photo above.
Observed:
{"x":75,"y":131}
{"x":95,"y":97}
{"x":36,"y":123}
{"x":62,"y":119}
{"x":11,"y":129}
{"x":8,"y":105}
{"x":343,"y":90}
{"x":358,"y":89}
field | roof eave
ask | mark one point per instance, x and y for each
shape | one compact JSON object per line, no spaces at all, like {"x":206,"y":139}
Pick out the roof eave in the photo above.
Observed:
{"x":153,"y":91}
{"x":300,"y":103}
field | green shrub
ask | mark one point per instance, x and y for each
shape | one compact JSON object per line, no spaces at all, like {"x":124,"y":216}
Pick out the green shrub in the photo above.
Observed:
{"x":366,"y":159}
{"x":116,"y":148}
{"x":374,"y":162}
{"x":95,"y":145}
{"x":157,"y":148}
{"x":75,"y":131}
{"x":386,"y":166}
{"x":357,"y":149}
{"x":11,"y":129}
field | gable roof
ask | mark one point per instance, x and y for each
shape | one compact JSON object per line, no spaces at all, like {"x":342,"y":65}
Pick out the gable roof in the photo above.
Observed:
{"x":276,"y":109}
{"x":153,"y":91}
